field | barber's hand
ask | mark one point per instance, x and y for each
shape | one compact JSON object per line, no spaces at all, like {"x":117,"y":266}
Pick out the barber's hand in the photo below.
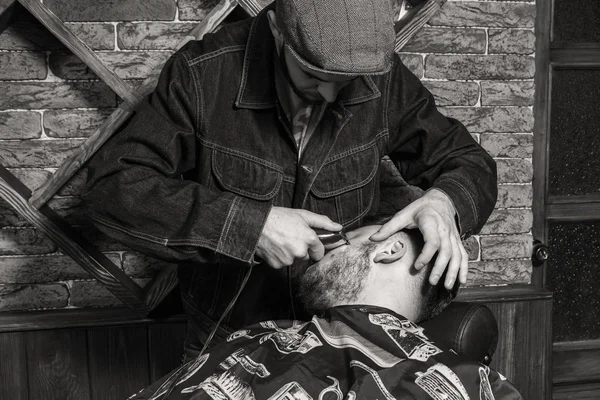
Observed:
{"x":288,"y":236}
{"x":434,"y":215}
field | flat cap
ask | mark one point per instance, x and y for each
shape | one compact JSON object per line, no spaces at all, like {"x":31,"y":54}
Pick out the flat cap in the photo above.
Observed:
{"x":343,"y":37}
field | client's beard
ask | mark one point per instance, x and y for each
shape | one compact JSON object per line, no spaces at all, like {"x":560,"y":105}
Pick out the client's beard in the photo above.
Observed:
{"x":339,"y":281}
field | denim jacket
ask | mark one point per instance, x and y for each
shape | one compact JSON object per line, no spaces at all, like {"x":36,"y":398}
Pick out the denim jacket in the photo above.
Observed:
{"x":192,"y":176}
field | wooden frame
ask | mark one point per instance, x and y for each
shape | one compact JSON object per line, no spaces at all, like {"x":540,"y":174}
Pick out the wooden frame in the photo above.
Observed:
{"x":33,"y":207}
{"x":541,"y":124}
{"x":550,"y":56}
{"x":575,"y":371}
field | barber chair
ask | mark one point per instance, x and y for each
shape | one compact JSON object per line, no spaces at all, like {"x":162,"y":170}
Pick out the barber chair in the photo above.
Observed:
{"x":470,"y":329}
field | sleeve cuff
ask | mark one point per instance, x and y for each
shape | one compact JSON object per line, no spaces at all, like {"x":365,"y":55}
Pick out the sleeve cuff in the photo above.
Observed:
{"x":464,"y":204}
{"x":242,"y":229}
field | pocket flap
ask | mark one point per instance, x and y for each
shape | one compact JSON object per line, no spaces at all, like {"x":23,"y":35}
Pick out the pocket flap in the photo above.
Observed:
{"x":342,"y":174}
{"x":246,"y":176}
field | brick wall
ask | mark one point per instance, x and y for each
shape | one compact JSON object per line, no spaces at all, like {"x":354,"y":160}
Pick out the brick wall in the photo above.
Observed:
{"x":476,"y":57}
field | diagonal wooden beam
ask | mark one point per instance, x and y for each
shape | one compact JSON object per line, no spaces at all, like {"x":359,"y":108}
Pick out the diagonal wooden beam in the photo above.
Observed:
{"x":414,"y":20}
{"x":66,"y":171}
{"x":7,"y":9}
{"x":80,"y":49}
{"x":161,"y":286}
{"x":72,"y":244}
{"x":251,"y":6}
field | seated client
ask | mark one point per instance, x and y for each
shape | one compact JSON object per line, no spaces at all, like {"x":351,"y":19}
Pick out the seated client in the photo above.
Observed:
{"x":362,"y":343}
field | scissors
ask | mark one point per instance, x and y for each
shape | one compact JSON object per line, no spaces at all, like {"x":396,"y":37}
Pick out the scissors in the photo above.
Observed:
{"x":332,"y":240}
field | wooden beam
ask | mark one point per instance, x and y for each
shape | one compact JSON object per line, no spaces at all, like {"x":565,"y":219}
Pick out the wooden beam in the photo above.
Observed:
{"x":251,"y":6}
{"x":161,"y":286}
{"x":24,"y":321}
{"x":499,"y":294}
{"x":578,"y":391}
{"x":76,"y":160}
{"x":413,"y":21}
{"x":541,"y":114}
{"x":66,"y":171}
{"x":80,"y":49}
{"x":72,"y":244}
{"x":576,"y":362}
{"x":579,"y":199}
{"x":576,"y":57}
{"x":208,"y":24}
{"x":7,"y":9}
{"x":574,"y":212}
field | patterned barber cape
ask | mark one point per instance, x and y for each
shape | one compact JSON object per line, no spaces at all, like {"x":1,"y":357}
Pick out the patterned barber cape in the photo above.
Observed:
{"x":351,"y":352}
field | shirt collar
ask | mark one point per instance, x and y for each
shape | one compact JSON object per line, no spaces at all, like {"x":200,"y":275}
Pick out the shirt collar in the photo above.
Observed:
{"x":257,"y":85}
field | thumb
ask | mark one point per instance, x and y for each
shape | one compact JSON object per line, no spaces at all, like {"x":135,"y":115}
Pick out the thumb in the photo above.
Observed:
{"x":319,"y":221}
{"x":316,"y":251}
{"x":397,"y":223}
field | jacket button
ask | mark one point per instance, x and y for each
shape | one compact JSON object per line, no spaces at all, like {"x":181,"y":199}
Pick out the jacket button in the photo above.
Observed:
{"x":307,"y":169}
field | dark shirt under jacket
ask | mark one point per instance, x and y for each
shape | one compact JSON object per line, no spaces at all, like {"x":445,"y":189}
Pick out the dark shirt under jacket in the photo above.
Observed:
{"x":352,"y":352}
{"x":192,"y":176}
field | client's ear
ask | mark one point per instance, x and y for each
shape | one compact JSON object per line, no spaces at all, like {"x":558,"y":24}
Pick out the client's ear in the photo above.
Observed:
{"x":390,"y":252}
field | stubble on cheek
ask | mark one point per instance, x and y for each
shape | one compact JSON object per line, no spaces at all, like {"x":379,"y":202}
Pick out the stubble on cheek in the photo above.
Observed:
{"x":338,"y":282}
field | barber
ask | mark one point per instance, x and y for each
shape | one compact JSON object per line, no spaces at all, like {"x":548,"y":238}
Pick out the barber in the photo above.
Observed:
{"x":272,"y":127}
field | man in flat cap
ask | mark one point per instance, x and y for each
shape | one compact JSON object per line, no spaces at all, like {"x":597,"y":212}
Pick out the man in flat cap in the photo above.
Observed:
{"x":273,"y":127}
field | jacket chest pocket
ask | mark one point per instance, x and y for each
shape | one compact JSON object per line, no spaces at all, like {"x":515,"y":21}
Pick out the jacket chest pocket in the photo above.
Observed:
{"x":346,"y":186}
{"x":245,"y":175}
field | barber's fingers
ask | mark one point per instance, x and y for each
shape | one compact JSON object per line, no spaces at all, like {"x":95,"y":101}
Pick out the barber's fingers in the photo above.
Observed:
{"x":398,"y":222}
{"x":455,"y":263}
{"x":443,"y":258}
{"x":314,"y":220}
{"x":429,"y":227}
{"x":316,"y":250}
{"x":464,"y":265}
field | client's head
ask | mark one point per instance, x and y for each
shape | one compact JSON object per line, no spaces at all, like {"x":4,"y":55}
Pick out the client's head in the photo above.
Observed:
{"x":375,"y":273}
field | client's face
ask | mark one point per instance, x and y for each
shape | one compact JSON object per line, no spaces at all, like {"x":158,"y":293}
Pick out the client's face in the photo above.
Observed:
{"x":340,"y":275}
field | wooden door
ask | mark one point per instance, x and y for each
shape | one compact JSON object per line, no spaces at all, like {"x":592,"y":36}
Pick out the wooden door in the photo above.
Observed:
{"x":567,"y":187}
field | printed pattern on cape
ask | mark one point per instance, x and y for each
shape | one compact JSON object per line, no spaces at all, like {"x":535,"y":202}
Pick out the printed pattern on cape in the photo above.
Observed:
{"x":333,"y":389}
{"x":287,"y":340}
{"x":441,"y":383}
{"x":225,"y":386}
{"x":294,"y":327}
{"x":241,"y":357}
{"x":376,"y":378}
{"x":291,"y":391}
{"x":485,"y":388}
{"x":176,"y":378}
{"x":271,"y":325}
{"x":339,"y":335}
{"x":242,"y":333}
{"x":227,"y":383}
{"x":292,"y":342}
{"x":407,"y":335}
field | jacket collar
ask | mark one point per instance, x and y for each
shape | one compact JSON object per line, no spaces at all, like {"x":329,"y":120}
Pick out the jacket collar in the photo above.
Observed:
{"x":257,"y":86}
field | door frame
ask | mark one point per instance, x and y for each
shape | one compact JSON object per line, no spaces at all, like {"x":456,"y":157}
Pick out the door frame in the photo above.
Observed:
{"x":571,"y":360}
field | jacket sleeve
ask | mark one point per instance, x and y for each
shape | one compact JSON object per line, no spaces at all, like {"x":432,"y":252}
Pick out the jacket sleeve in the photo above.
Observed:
{"x":136,"y":195}
{"x":432,"y":151}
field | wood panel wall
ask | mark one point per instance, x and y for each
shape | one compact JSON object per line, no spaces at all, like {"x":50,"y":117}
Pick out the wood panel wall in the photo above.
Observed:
{"x":95,"y":363}
{"x":524,"y":351}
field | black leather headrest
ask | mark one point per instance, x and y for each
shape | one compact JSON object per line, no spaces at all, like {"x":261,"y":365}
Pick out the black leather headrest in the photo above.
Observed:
{"x":470,"y":329}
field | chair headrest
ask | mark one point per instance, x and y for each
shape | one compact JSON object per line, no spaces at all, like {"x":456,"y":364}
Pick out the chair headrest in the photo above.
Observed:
{"x":470,"y":329}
